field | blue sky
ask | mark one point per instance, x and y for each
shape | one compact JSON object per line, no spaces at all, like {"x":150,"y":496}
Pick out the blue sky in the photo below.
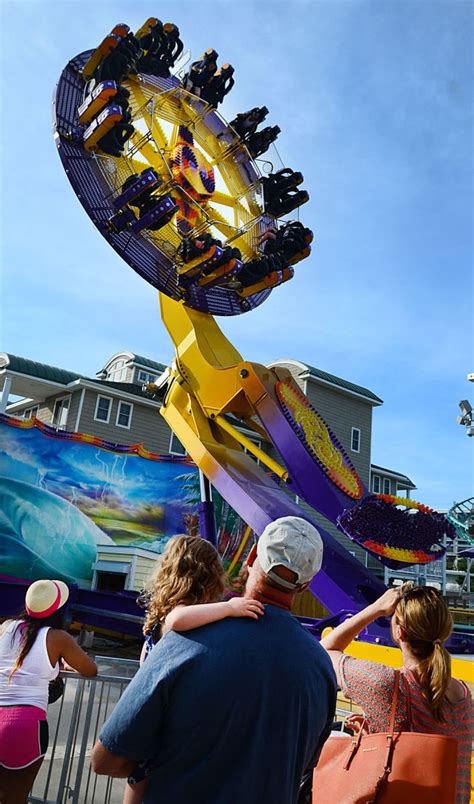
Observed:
{"x":375,"y":102}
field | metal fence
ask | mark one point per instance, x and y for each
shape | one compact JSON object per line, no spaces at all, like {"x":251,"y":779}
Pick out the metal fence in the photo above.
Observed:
{"x":74,"y":724}
{"x":75,"y":721}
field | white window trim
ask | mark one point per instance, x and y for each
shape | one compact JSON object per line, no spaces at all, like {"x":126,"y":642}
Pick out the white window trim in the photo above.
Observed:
{"x":352,"y":437}
{"x":61,"y":399}
{"x":124,"y":426}
{"x":380,"y":484}
{"x":386,"y":480}
{"x":171,"y":452}
{"x":30,"y":412}
{"x":96,"y":419}
{"x":149,"y":376}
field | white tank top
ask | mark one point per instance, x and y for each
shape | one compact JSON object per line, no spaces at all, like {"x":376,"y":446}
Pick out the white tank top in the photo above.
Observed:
{"x":29,"y":684}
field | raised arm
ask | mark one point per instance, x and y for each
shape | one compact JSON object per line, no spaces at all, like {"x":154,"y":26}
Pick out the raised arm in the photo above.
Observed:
{"x":340,"y":637}
{"x":184,"y":618}
{"x":62,"y":646}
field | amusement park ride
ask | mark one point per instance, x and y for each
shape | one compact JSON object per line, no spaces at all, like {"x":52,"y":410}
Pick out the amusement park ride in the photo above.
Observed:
{"x":180,"y":195}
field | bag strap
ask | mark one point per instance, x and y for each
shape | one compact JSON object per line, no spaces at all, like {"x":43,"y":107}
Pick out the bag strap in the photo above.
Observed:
{"x":409,"y":709}
{"x":394,"y":701}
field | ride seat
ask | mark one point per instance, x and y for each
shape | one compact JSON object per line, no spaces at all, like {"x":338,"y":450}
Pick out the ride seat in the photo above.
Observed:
{"x":157,"y":216}
{"x":106,"y":46}
{"x":95,"y":102}
{"x":102,"y":124}
{"x":135,"y":185}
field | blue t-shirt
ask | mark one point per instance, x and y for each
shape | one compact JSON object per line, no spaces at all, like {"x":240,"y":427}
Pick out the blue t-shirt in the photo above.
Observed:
{"x":231,"y":713}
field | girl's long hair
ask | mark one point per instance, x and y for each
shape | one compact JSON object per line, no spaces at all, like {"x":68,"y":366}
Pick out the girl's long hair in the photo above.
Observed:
{"x":189,"y":571}
{"x":427,"y":623}
{"x":29,"y":627}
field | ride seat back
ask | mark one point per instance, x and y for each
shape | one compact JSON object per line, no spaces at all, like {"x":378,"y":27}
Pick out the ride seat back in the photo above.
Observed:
{"x":95,"y":102}
{"x":108,"y":118}
{"x":106,"y":46}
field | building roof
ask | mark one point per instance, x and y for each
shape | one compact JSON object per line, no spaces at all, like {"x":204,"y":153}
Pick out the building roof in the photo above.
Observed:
{"x":332,"y":379}
{"x":133,"y":359}
{"x":381,"y":470}
{"x":22,"y":365}
{"x":349,"y":386}
{"x":147,"y":363}
{"x":58,"y":377}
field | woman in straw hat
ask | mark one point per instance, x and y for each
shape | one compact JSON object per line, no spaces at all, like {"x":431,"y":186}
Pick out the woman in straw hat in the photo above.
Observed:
{"x":31,"y":648}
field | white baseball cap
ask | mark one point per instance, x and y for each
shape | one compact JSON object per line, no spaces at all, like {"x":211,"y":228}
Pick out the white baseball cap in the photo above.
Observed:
{"x":294,"y":543}
{"x":45,"y":597}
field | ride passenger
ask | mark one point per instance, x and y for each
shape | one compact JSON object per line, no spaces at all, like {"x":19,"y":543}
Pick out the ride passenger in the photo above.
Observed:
{"x":421,"y":623}
{"x":31,"y":649}
{"x":184,"y":593}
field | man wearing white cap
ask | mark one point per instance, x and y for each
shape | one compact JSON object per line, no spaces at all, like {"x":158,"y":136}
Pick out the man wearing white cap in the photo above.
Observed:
{"x":236,"y":711}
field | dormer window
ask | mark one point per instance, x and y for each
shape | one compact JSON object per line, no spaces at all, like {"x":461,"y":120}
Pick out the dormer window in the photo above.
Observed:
{"x":117,"y":371}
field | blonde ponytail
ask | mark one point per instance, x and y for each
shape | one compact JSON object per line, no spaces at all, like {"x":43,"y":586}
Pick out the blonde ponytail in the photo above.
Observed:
{"x":434,"y":675}
{"x":427,"y":623}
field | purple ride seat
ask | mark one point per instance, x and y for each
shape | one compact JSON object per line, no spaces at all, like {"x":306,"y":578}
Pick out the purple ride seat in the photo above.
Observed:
{"x":106,"y":120}
{"x":146,"y":180}
{"x":160,"y":214}
{"x":95,"y":102}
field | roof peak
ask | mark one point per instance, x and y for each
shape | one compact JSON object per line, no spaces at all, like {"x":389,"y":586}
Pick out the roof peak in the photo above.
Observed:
{"x":331,"y":379}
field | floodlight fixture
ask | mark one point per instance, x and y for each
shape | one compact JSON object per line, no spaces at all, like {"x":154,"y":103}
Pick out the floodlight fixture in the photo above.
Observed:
{"x":466,"y":407}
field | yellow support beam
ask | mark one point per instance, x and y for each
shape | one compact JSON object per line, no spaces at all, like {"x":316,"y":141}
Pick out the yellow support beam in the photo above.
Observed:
{"x":251,"y":447}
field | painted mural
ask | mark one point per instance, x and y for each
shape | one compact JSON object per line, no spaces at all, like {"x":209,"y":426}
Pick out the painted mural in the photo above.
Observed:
{"x":62,"y":494}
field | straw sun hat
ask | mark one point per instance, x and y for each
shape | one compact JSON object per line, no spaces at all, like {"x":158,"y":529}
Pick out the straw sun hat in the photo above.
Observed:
{"x":44,"y":597}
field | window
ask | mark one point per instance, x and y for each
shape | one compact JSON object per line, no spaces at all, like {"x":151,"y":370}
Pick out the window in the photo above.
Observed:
{"x":386,"y":485}
{"x":60,"y":411}
{"x":176,"y":447}
{"x":117,"y":371}
{"x":124,"y":415}
{"x":145,"y":376}
{"x":355,"y":439}
{"x":30,"y":412}
{"x":102,"y":409}
{"x":376,"y":484}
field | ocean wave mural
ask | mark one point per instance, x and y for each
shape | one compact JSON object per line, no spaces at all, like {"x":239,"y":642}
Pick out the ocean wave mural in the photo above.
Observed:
{"x":62,"y":494}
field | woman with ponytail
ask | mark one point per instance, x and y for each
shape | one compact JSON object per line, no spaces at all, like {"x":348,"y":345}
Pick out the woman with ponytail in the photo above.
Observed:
{"x":31,"y":648}
{"x":420,"y":625}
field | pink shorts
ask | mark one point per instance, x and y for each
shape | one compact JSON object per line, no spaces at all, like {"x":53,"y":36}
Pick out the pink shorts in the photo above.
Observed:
{"x":23,"y":736}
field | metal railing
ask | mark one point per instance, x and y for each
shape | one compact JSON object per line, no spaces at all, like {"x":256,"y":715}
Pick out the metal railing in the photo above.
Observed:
{"x":75,"y":721}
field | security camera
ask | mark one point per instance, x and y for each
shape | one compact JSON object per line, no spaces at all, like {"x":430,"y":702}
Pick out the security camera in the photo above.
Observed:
{"x":470,"y":430}
{"x":466,"y":407}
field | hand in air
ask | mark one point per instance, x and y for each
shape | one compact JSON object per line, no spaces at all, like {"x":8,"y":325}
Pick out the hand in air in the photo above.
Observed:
{"x":387,"y":603}
{"x":245,"y":607}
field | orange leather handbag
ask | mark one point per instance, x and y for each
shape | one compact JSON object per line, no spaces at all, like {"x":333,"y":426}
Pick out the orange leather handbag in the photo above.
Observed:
{"x":387,"y":768}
